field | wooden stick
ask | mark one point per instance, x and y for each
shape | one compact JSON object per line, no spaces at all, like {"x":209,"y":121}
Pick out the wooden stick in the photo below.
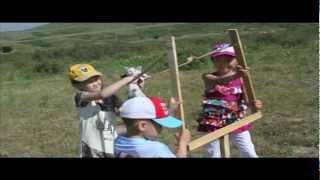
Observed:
{"x":180,"y":65}
{"x":200,"y":57}
{"x":190,"y":60}
{"x":223,"y":131}
{"x":236,"y":43}
{"x":225,"y":146}
{"x":174,"y":75}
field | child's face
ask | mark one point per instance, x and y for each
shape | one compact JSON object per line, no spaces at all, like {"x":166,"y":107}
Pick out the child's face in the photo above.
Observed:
{"x":149,"y":129}
{"x":93,"y":84}
{"x":224,"y":64}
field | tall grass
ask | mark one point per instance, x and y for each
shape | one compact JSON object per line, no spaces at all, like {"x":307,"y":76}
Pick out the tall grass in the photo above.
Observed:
{"x":38,"y":117}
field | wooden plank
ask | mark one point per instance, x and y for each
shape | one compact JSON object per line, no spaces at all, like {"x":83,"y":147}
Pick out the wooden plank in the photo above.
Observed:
{"x":223,"y":131}
{"x":224,"y":142}
{"x":174,"y":75}
{"x":236,"y":43}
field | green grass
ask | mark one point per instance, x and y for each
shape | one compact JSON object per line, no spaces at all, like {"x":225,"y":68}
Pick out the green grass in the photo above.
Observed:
{"x":38,"y":117}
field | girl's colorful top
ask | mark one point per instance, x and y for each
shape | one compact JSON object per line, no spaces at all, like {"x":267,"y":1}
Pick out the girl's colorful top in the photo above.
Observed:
{"x":223,"y":105}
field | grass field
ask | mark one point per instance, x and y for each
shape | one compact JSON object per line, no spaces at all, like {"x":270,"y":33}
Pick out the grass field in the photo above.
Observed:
{"x":38,"y":117}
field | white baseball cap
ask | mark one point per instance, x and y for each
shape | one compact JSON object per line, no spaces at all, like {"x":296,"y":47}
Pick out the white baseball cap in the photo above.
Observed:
{"x":149,"y":108}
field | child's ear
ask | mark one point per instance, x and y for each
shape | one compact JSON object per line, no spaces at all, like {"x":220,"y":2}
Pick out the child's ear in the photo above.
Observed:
{"x":141,"y":125}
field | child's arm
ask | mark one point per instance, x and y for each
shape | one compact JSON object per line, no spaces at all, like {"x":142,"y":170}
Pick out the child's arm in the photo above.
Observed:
{"x":183,"y":138}
{"x":211,"y":80}
{"x":107,"y":91}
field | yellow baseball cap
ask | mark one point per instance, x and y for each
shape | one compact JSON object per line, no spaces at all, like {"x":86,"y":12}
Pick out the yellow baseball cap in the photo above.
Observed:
{"x":82,"y":72}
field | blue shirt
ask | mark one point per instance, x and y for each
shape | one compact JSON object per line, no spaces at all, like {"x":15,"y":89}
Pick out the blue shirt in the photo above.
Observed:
{"x":141,"y":148}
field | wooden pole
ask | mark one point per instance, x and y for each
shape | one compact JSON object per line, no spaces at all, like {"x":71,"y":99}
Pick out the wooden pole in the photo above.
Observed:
{"x":223,"y":131}
{"x":174,"y":75}
{"x":200,"y":57}
{"x":224,"y":141}
{"x":237,"y":45}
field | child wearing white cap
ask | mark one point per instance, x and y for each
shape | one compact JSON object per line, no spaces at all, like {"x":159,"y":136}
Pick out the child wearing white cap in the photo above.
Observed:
{"x":144,"y":118}
{"x":224,"y":101}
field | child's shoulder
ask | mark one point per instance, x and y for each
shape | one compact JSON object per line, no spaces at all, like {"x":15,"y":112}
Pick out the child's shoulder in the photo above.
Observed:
{"x":140,"y":142}
{"x":78,"y":99}
{"x":158,"y":145}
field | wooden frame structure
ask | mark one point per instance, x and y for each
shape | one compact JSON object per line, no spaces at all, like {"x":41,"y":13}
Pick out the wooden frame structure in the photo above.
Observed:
{"x":174,"y":75}
{"x":222,"y":133}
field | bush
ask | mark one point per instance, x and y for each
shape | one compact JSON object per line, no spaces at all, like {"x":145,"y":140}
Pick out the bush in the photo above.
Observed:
{"x":39,"y":34}
{"x":86,"y":52}
{"x":6,"y":49}
{"x":40,"y":43}
{"x":48,"y":67}
{"x":57,"y":53}
{"x":38,"y":55}
{"x":52,"y":53}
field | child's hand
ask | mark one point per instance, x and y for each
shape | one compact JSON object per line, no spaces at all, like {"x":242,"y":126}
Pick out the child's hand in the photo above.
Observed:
{"x":244,"y":72}
{"x":258,"y":104}
{"x":174,"y":105}
{"x":183,"y":136}
{"x":99,"y":101}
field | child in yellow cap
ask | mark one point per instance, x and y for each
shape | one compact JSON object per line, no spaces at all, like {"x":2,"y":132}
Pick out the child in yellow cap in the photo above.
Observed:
{"x":97,"y":106}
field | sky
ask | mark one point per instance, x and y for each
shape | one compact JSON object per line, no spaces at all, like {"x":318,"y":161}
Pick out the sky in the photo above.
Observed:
{"x":18,"y":26}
